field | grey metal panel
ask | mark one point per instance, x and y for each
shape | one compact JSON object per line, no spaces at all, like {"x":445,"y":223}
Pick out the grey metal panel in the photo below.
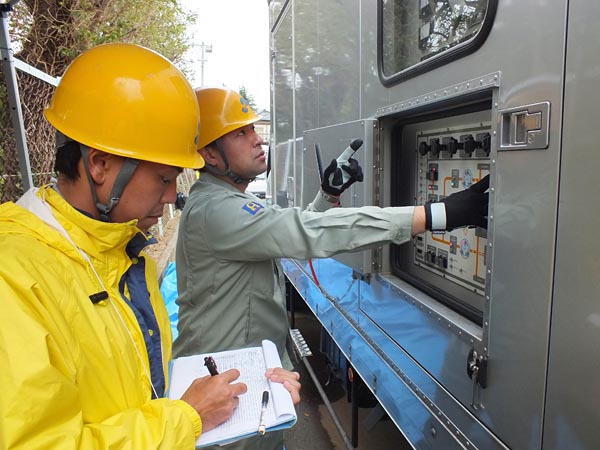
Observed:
{"x":332,"y":141}
{"x":524,"y":203}
{"x":523,"y":223}
{"x":373,"y":94}
{"x":307,"y":75}
{"x":283,"y":113}
{"x":327,"y":62}
{"x":517,"y":25}
{"x":572,"y":414}
{"x":525,"y":45}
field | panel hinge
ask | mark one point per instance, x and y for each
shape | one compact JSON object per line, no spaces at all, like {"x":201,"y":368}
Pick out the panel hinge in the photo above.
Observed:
{"x":366,"y":277}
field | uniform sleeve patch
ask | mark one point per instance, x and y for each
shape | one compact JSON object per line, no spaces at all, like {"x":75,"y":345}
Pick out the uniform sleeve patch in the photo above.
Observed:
{"x":252,"y":207}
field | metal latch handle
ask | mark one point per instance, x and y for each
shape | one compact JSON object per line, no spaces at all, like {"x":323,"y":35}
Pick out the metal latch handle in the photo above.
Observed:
{"x":477,"y":371}
{"x":525,"y":127}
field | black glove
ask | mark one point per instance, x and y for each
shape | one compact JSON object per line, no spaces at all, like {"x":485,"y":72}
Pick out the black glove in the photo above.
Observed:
{"x":180,"y":201}
{"x":335,"y":181}
{"x":465,"y":208}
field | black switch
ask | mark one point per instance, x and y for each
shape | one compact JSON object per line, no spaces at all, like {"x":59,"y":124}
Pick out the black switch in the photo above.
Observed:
{"x":423,"y":148}
{"x":469,"y":145}
{"x":484,"y":141}
{"x":435,"y":145}
{"x":450,"y":145}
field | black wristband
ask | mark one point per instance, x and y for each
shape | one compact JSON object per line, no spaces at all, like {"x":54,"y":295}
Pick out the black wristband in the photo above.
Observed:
{"x":427,"y":216}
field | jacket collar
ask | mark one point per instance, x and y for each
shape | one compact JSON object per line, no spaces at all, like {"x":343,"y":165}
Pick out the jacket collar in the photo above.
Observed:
{"x":92,"y":236}
{"x":207,"y":177}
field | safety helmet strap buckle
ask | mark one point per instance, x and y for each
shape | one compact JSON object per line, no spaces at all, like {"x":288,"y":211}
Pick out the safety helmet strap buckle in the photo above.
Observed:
{"x":123,"y":177}
{"x":237,"y":179}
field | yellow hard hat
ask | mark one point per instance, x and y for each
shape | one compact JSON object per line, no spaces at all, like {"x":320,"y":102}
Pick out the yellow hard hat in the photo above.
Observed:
{"x":129,"y":101}
{"x":221,"y":111}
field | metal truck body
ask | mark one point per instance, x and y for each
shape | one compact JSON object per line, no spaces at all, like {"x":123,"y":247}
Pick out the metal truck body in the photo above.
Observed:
{"x":476,"y":338}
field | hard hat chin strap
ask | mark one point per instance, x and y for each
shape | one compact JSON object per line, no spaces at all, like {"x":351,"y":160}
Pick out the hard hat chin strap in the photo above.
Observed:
{"x":237,"y":179}
{"x":123,"y":177}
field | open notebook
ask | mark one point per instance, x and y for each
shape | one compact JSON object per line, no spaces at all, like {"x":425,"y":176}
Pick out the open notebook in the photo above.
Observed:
{"x":252,"y":364}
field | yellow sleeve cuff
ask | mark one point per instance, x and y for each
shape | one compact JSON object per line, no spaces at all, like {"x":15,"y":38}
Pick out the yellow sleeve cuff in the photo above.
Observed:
{"x":193,"y":415}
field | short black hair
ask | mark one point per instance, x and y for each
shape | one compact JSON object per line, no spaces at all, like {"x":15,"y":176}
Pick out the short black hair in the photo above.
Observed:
{"x":67,"y":160}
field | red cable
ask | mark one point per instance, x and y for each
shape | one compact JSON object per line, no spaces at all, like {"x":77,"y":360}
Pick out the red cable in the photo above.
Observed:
{"x":312,"y":269}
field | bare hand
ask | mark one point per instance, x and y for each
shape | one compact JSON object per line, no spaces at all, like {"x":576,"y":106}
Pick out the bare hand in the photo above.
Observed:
{"x":215,"y":398}
{"x":289,"y":381}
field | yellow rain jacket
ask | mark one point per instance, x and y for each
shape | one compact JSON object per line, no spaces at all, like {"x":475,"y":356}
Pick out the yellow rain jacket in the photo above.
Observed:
{"x":74,"y":374}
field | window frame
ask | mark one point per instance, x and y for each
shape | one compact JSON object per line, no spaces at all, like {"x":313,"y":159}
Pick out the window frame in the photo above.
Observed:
{"x":442,"y":58}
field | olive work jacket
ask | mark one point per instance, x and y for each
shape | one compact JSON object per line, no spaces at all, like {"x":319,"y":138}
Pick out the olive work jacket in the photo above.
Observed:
{"x":230,"y":283}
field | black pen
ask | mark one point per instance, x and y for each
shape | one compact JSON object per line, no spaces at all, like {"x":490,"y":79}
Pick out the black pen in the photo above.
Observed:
{"x":211,"y":365}
{"x":261,"y":423}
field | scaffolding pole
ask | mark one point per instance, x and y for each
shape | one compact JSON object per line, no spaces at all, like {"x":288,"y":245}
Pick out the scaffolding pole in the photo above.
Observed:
{"x":16,"y":114}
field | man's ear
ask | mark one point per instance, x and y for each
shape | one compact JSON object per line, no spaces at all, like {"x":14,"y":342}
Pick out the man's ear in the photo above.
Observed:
{"x":211,"y":156}
{"x":100,"y":164}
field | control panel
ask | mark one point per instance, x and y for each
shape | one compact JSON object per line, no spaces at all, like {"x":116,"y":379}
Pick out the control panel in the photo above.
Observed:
{"x":448,"y":161}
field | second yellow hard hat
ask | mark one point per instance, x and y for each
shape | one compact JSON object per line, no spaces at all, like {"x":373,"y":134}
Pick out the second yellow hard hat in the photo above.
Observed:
{"x":221,"y":111}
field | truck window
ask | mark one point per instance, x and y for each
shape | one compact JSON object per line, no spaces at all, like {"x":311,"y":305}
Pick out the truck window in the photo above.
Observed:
{"x":417,"y":35}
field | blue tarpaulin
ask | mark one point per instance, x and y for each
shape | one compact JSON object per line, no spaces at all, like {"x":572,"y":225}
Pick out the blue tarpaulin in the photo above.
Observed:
{"x":168,"y":289}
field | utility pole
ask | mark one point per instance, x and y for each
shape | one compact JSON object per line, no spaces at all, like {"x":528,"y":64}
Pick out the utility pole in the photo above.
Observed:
{"x":208,"y":49}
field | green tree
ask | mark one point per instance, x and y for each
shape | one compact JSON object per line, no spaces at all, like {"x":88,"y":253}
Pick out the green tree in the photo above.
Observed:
{"x":55,"y":31}
{"x":49,"y":34}
{"x":249,"y":97}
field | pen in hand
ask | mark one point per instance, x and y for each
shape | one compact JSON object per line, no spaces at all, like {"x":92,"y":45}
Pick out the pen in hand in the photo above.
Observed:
{"x":261,"y":424}
{"x":211,"y":365}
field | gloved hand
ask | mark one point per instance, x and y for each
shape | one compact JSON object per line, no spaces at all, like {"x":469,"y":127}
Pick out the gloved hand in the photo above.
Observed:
{"x":465,"y":208}
{"x":339,"y":176}
{"x":180,"y":201}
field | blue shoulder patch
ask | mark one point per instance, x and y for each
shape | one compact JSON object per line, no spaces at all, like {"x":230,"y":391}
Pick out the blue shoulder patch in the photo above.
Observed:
{"x":252,"y":207}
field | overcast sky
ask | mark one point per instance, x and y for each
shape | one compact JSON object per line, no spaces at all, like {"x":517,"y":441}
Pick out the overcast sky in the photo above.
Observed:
{"x":238,"y":31}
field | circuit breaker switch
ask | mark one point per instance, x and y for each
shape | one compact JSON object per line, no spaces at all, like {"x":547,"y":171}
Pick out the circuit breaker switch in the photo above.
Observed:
{"x":483,"y":144}
{"x":431,"y":254}
{"x":442,"y":259}
{"x":468,"y":146}
{"x":450,"y":146}
{"x":435,"y":145}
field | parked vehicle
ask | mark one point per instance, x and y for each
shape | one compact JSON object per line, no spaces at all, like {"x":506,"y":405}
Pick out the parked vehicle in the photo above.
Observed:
{"x":258,"y":187}
{"x":475,"y":338}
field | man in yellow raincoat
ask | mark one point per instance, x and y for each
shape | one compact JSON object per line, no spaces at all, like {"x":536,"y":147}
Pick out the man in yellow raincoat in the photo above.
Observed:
{"x":84,"y":335}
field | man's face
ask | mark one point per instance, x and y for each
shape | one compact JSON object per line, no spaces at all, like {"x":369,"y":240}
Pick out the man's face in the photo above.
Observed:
{"x":245,"y":155}
{"x":151,"y":186}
